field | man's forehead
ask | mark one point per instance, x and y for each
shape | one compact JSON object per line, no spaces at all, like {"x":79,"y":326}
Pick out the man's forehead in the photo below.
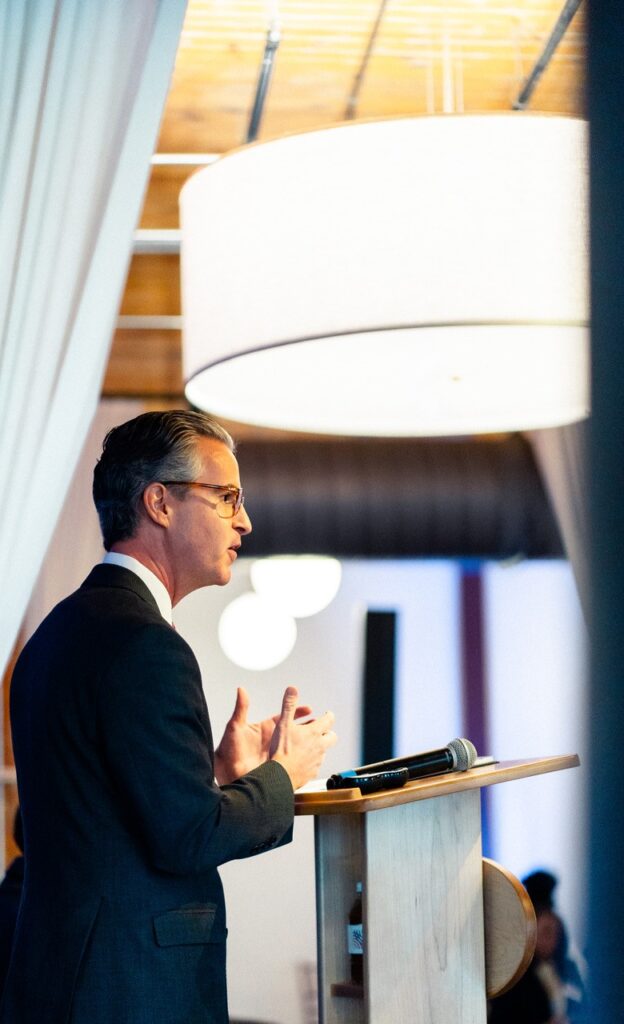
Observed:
{"x":216,"y":456}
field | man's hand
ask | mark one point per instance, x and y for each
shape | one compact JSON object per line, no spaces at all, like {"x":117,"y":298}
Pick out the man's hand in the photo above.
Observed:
{"x":245,"y":744}
{"x":301,"y":746}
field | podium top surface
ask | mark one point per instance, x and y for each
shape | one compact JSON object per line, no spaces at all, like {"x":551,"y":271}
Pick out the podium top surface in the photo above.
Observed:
{"x":351,"y":801}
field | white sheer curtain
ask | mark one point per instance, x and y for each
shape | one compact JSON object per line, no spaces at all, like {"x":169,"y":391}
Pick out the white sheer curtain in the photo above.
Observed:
{"x":82,"y":88}
{"x":560,"y":454}
{"x":76,"y":544}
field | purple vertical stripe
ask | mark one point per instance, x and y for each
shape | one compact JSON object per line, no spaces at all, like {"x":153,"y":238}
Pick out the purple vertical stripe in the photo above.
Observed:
{"x":473,"y":659}
{"x":474,"y":694}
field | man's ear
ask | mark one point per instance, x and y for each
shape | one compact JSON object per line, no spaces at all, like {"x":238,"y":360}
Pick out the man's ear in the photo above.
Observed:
{"x":156,"y":504}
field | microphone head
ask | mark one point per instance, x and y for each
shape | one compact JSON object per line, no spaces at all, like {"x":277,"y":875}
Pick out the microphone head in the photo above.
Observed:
{"x":464,"y":754}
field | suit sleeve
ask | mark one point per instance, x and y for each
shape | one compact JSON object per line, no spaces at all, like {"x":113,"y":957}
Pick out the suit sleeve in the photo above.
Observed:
{"x":157,"y":744}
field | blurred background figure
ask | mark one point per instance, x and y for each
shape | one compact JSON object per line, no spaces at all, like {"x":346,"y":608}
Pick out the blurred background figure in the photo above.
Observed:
{"x":10,"y":896}
{"x":552,"y":991}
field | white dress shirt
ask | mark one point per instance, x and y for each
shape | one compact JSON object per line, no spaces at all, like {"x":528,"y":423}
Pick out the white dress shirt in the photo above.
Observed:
{"x":155,"y":586}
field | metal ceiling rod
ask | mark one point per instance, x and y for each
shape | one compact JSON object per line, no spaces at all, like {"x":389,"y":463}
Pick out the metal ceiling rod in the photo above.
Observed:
{"x":352,"y":102}
{"x":266,"y":70}
{"x":568,"y":11}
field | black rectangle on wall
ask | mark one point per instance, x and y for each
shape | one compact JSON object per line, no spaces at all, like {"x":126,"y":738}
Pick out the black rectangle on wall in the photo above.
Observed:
{"x":378,"y":688}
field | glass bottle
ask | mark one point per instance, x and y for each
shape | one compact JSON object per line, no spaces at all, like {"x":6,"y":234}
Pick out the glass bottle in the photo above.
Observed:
{"x":356,"y":938}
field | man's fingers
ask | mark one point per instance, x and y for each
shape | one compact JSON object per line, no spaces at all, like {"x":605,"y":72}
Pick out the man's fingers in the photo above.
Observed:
{"x":325,"y":722}
{"x":322,"y":724}
{"x":303,"y":710}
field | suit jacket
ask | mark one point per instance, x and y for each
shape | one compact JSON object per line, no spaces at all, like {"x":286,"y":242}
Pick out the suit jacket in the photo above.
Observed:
{"x":122,"y":919}
{"x":10,"y":896}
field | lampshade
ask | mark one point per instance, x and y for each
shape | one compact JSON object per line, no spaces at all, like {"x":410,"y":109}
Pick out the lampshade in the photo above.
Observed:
{"x":417,"y":276}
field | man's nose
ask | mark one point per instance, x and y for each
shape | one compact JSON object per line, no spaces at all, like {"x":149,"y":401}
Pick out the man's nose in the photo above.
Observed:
{"x":243,"y":522}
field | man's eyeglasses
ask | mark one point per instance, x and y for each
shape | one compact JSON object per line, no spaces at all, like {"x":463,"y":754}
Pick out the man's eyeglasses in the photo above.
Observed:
{"x":228,"y":502}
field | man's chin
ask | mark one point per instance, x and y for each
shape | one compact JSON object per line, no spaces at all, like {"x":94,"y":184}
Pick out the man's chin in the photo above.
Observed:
{"x":213,"y":579}
{"x":223,"y":576}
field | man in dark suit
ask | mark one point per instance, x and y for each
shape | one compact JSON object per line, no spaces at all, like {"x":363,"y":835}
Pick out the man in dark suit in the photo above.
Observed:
{"x":127,"y":808}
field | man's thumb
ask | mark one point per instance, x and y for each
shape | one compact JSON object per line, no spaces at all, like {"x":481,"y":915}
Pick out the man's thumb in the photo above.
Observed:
{"x":241,"y":707}
{"x":289,"y":704}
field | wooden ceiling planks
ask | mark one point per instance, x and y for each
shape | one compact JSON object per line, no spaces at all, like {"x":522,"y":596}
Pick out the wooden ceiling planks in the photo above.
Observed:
{"x":427,"y":57}
{"x":490,"y":44}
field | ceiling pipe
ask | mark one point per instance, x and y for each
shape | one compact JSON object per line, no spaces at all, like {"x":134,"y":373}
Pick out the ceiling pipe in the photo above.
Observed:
{"x":352,"y":102}
{"x":264,"y":78}
{"x":372,"y":498}
{"x":568,"y":11}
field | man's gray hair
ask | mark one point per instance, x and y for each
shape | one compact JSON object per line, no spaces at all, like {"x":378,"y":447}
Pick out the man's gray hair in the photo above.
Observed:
{"x":153,"y":446}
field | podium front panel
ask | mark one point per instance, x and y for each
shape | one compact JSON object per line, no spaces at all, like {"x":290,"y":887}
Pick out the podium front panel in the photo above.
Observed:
{"x":423,"y":906}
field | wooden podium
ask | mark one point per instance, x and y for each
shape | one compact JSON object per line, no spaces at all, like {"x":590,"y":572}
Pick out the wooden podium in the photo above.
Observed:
{"x":420,"y":863}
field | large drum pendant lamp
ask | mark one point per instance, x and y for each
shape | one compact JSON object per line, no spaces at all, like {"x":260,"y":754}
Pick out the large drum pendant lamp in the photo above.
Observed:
{"x":417,"y":276}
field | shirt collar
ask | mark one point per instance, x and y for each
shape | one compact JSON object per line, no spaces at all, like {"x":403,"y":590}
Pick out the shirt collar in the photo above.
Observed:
{"x":155,"y":586}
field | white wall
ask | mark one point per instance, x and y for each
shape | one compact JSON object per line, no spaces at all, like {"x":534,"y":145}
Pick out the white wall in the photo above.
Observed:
{"x":536,"y":652}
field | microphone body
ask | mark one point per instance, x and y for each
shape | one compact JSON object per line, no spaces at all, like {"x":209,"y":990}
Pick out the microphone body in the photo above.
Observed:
{"x":375,"y":782}
{"x":459,"y":755}
{"x":431,"y":762}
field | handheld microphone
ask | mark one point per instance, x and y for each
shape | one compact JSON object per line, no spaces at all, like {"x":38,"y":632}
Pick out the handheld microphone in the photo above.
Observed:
{"x":458,"y":756}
